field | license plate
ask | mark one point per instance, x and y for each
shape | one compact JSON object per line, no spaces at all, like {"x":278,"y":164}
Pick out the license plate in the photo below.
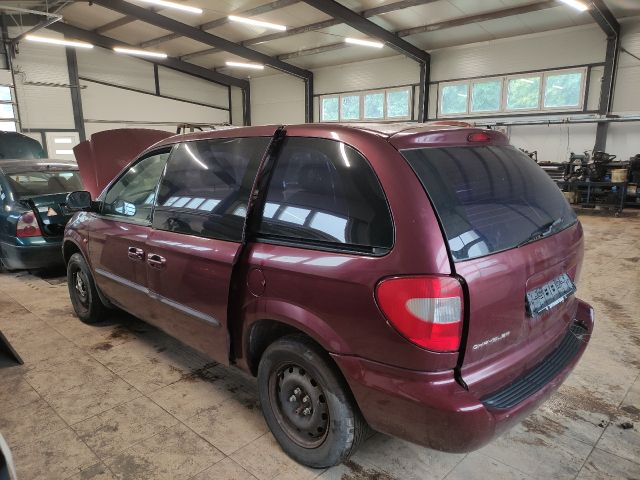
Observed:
{"x":547,"y":296}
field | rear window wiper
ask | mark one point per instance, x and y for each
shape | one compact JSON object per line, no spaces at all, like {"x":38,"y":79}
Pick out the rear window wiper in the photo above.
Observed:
{"x":542,"y":231}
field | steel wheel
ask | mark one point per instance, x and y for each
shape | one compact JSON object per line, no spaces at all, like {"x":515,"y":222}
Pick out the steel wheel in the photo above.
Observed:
{"x":300,"y":405}
{"x":81,"y":286}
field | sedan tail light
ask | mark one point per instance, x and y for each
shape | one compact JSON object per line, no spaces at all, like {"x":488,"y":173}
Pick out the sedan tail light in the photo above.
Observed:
{"x":28,"y":226}
{"x":427,"y":311}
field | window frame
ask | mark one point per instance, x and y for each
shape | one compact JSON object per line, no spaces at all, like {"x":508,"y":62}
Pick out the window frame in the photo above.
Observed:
{"x":505,"y":79}
{"x":14,"y":107}
{"x":360,"y":107}
{"x":485,"y":80}
{"x":183,"y":209}
{"x":362,"y":94}
{"x":384,"y":105}
{"x":309,"y":244}
{"x":387,"y":91}
{"x":441,"y":92}
{"x":322,"y":110}
{"x":583,"y":85}
{"x":124,"y":219}
{"x":505,"y":93}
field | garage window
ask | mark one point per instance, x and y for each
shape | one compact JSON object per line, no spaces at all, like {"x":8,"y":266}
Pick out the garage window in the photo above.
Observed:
{"x":522,"y":93}
{"x":325,"y":193}
{"x":563,"y":90}
{"x":374,"y":106}
{"x":206,"y":187}
{"x":350,"y":107}
{"x":7,"y":110}
{"x":453,"y":98}
{"x":486,"y":95}
{"x":367,"y":106}
{"x":330,"y":111}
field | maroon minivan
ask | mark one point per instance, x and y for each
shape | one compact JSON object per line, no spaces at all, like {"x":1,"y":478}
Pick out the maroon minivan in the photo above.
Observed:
{"x":416,"y":280}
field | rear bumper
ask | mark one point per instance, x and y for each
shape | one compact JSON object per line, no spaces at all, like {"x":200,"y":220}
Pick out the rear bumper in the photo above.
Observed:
{"x":16,"y":257}
{"x":433,"y":410}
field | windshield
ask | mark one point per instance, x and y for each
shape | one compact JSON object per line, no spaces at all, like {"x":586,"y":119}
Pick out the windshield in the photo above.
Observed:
{"x":30,"y":184}
{"x":490,"y":198}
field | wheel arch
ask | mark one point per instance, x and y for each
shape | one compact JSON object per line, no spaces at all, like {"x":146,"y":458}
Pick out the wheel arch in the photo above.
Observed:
{"x":277,"y":319}
{"x":69,"y":247}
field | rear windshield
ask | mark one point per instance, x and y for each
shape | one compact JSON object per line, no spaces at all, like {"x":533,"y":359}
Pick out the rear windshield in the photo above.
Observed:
{"x":31,"y":184}
{"x":490,"y":198}
{"x":14,"y":145}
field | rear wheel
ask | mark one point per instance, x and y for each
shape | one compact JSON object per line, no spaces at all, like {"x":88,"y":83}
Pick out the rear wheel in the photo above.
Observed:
{"x":82,"y":291}
{"x":307,"y":405}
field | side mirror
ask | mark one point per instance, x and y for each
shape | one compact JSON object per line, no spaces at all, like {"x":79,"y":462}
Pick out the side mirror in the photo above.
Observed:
{"x":78,"y":201}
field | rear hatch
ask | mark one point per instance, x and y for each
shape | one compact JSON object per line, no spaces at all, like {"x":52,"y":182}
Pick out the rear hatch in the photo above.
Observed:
{"x":509,"y":231}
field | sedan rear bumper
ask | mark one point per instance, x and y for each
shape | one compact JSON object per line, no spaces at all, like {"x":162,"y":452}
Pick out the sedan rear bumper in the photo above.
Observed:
{"x":432,"y":409}
{"x":46,"y":255}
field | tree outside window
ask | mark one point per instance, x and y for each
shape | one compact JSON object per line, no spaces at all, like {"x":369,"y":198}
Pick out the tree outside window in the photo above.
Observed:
{"x":563,"y":90}
{"x":330,"y":109}
{"x":523,"y":93}
{"x":486,"y":96}
{"x":454,"y":98}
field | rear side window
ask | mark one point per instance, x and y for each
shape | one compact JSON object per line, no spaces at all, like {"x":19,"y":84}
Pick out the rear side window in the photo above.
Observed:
{"x":488,"y":199}
{"x":324,"y":192}
{"x":206,"y":187}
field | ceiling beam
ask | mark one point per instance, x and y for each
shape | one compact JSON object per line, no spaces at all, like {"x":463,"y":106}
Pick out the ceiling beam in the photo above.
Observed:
{"x":269,"y":7}
{"x":372,"y":12}
{"x":173,"y":63}
{"x":119,"y":22}
{"x":604,"y":18}
{"x":431,"y":27}
{"x":354,"y":20}
{"x":198,"y":35}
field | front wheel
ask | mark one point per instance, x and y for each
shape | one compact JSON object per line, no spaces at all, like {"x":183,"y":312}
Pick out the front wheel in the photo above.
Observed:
{"x":306,"y":403}
{"x":82,"y":291}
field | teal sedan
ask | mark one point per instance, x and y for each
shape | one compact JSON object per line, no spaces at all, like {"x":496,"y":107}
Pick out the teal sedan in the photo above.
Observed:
{"x":32,"y":214}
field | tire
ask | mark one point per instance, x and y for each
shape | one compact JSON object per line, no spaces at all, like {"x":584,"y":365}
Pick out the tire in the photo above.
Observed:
{"x":325,"y":429}
{"x":82,"y":291}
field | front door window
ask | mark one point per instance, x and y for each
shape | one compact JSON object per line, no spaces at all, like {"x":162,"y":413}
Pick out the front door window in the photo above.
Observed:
{"x":133,"y":195}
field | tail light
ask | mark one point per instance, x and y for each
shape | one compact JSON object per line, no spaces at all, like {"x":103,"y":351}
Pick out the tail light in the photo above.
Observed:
{"x":479,"y":137}
{"x":28,"y":226}
{"x":427,"y":311}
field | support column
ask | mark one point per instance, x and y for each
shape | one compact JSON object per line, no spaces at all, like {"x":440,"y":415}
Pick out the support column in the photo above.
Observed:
{"x":76,"y":98}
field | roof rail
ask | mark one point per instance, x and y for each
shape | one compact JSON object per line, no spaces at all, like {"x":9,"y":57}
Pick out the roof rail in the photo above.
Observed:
{"x":452,"y":123}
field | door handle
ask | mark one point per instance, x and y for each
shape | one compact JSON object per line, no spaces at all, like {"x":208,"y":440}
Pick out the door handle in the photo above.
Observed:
{"x":135,"y":253}
{"x":156,"y":261}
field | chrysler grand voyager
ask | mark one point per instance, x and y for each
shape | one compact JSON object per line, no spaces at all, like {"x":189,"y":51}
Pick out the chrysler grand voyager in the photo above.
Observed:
{"x":418,"y":280}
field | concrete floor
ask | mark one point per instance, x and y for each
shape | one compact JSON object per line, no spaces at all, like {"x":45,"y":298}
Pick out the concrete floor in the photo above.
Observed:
{"x":123,"y":400}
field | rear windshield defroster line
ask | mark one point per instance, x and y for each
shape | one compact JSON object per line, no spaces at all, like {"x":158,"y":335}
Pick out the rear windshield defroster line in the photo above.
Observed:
{"x":489,"y":198}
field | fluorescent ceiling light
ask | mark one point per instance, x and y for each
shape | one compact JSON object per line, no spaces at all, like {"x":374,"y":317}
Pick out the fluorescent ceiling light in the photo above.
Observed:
{"x":464,"y":95}
{"x":141,"y":53}
{"x":257,"y":23}
{"x":255,"y":66}
{"x":577,"y":4}
{"x":64,"y":152}
{"x":177,"y":6}
{"x":526,"y":80}
{"x":58,"y":41}
{"x":364,"y":43}
{"x":62,"y":140}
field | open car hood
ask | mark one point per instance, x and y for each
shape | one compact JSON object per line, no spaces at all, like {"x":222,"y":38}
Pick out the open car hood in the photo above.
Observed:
{"x":106,"y":153}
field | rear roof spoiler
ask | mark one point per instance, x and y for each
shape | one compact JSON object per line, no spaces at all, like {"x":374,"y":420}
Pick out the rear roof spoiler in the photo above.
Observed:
{"x":106,"y":153}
